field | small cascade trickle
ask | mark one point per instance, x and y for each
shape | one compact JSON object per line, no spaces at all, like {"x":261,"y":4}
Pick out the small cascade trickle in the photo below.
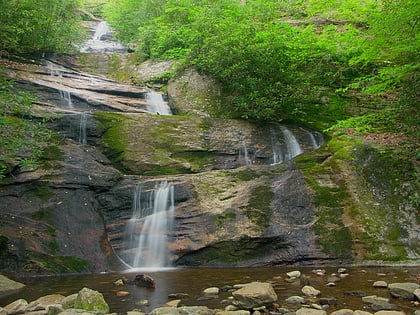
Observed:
{"x":146,"y":233}
{"x":293,"y":147}
{"x":66,"y":98}
{"x":101,"y":30}
{"x":244,"y":155}
{"x":82,"y":128}
{"x":156,"y":104}
{"x":284,"y":145}
{"x":315,"y":138}
{"x":65,"y":95}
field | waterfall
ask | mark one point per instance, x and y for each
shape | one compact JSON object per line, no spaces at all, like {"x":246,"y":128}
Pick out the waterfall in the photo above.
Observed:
{"x":66,"y":98}
{"x":82,"y":128}
{"x":245,"y":156}
{"x":101,"y":29}
{"x":287,"y":150}
{"x":156,"y":104}
{"x":147,"y":230}
{"x":315,"y":139}
{"x":293,"y":147}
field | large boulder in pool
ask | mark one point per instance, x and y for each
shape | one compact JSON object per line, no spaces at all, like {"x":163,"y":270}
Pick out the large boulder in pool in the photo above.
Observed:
{"x":255,"y":294}
{"x":7,"y":285}
{"x":92,"y":301}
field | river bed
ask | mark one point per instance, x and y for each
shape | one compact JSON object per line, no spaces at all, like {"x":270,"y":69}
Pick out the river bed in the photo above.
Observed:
{"x":193,"y":281}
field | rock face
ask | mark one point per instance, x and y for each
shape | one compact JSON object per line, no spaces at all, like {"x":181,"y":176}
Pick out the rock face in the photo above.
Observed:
{"x":240,"y":199}
{"x":255,"y":294}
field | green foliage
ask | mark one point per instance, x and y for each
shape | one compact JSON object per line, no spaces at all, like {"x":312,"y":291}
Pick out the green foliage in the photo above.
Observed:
{"x":39,"y":26}
{"x":274,"y":70}
{"x":381,"y":121}
{"x":22,"y":141}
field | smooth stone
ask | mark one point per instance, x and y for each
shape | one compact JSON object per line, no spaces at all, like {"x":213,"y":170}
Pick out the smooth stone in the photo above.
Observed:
{"x":195,"y":310}
{"x":17,"y":307}
{"x":7,"y":284}
{"x":178,"y":295}
{"x":344,"y":311}
{"x":333,"y":279}
{"x":310,"y":291}
{"x":389,"y":313}
{"x":380,"y":284}
{"x":359,"y":312}
{"x":122,"y":293}
{"x":173,"y":303}
{"x":143,"y":303}
{"x":328,"y":301}
{"x":403,"y":290}
{"x":165,"y":311}
{"x":237,"y":312}
{"x":211,"y":291}
{"x":417,"y":293}
{"x":295,"y":299}
{"x":373,"y":299}
{"x":254,"y":294}
{"x":316,"y":306}
{"x":294,"y":274}
{"x":384,"y":306}
{"x":310,"y":311}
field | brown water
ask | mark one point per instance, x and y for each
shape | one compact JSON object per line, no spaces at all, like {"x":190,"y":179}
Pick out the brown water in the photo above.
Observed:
{"x":194,"y":281}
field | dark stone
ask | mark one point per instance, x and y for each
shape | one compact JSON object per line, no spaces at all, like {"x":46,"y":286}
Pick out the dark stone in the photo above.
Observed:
{"x":355,"y":293}
{"x":328,"y":301}
{"x":143,"y":280}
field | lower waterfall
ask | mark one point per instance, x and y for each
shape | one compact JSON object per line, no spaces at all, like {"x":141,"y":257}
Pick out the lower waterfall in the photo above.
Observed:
{"x":146,"y":233}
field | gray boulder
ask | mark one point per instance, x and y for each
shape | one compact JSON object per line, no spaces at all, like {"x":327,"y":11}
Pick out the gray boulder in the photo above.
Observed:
{"x":254,"y":294}
{"x":7,"y":285}
{"x":16,"y":307}
{"x":403,"y":290}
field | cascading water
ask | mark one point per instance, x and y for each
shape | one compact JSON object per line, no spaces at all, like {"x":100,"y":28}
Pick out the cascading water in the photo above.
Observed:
{"x":146,"y":234}
{"x":55,"y":71}
{"x":101,"y":30}
{"x":244,"y":156}
{"x":156,"y":104}
{"x":315,"y":138}
{"x":82,"y":128}
{"x":293,"y":147}
{"x":286,"y":150}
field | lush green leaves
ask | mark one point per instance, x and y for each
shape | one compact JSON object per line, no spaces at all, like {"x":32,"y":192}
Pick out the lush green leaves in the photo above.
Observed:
{"x":39,"y":26}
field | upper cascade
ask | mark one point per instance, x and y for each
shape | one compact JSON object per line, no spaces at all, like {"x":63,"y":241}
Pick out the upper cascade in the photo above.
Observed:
{"x":102,"y":40}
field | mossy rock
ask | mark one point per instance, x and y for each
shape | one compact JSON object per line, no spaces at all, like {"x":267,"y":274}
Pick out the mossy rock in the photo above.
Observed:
{"x":91,"y":301}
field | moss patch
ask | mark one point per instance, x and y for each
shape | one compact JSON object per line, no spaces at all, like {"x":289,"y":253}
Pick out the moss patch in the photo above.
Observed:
{"x":56,"y":264}
{"x":258,"y":210}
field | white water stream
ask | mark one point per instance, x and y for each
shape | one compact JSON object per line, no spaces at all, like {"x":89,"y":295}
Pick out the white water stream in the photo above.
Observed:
{"x":147,"y":231}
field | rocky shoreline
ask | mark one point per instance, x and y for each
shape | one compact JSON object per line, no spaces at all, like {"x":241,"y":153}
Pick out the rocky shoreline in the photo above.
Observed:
{"x":255,"y":297}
